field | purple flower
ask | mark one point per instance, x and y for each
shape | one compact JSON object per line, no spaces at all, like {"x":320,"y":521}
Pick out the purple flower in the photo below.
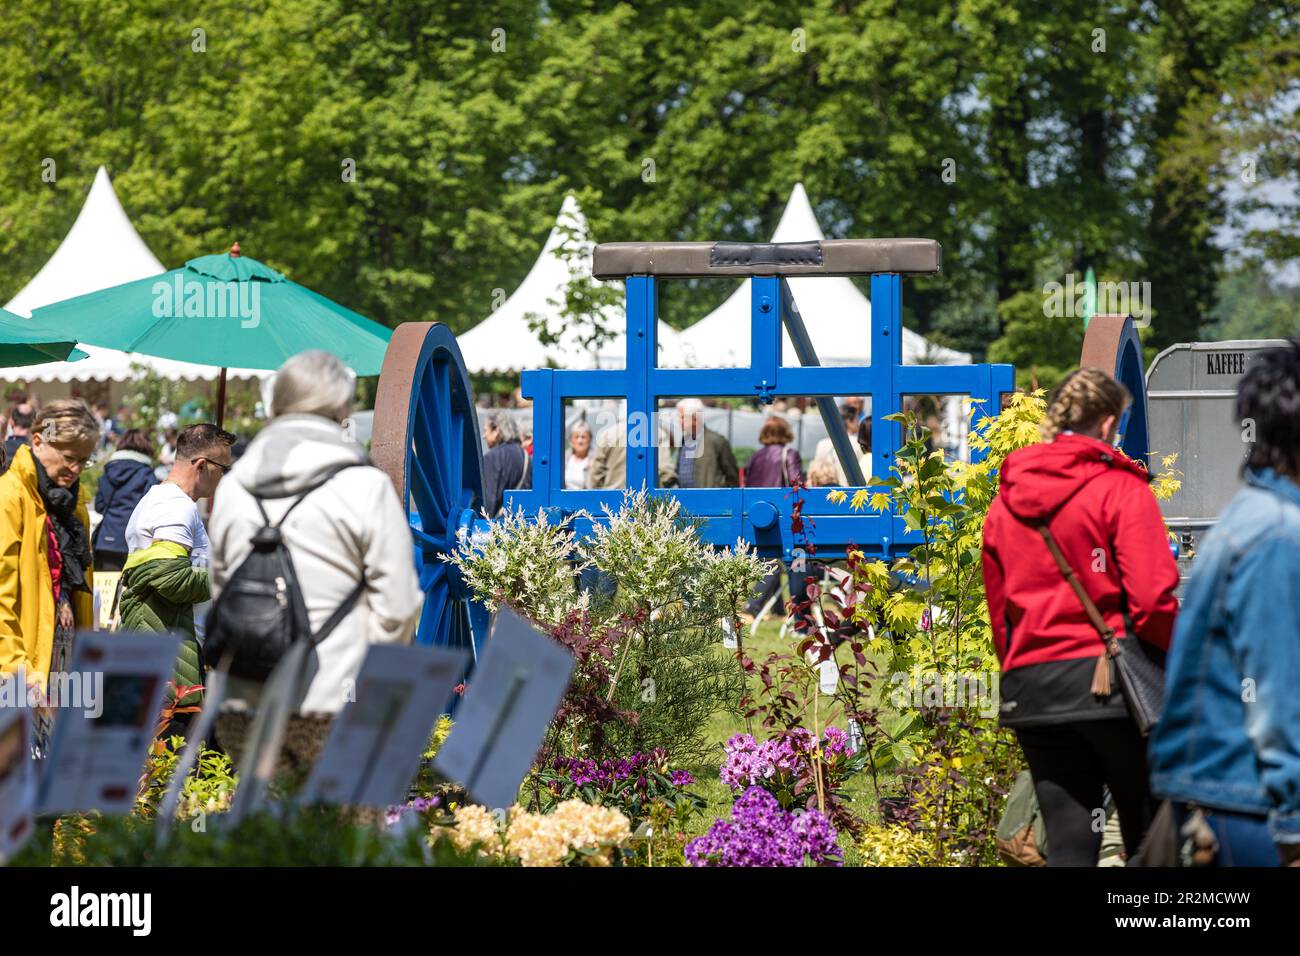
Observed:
{"x":818,"y":838}
{"x":760,"y":833}
{"x":837,"y":742}
{"x":741,"y":743}
{"x":748,"y":763}
{"x":682,"y":778}
{"x":418,"y":805}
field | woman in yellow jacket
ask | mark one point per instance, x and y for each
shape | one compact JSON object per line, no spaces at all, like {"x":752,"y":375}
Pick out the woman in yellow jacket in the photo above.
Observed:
{"x":45,"y":565}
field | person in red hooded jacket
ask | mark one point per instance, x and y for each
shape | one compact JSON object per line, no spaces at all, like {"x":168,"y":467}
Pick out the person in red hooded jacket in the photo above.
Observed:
{"x":1099,"y":507}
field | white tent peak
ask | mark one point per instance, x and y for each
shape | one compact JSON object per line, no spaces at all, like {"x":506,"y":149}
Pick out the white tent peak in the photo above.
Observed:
{"x":102,"y":249}
{"x":798,"y":221}
{"x":504,"y":340}
{"x":570,"y":218}
{"x":836,"y":314}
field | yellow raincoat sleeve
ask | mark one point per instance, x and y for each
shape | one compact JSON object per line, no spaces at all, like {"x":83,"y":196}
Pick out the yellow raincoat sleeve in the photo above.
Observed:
{"x":12,"y":652}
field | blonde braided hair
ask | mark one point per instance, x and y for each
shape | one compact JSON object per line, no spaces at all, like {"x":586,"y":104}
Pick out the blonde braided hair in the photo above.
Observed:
{"x":1082,"y":400}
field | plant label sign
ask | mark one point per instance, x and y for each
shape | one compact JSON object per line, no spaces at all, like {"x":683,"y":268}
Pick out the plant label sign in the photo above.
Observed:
{"x":17,"y":778}
{"x":374,"y":746}
{"x":98,"y":747}
{"x":511,"y":698}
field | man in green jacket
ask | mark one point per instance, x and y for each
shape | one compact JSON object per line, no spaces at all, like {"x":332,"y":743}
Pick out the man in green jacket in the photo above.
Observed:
{"x":159,"y":590}
{"x":166,"y":572}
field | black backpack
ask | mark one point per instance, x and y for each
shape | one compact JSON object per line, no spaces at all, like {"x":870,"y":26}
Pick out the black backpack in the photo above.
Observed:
{"x":260,"y":612}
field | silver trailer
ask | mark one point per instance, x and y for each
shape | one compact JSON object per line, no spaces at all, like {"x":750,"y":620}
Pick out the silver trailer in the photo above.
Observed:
{"x":1188,"y":409}
{"x":1192,"y":397}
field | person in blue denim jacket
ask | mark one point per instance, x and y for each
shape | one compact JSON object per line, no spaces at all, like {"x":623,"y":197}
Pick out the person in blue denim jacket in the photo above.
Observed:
{"x":1229,"y":740}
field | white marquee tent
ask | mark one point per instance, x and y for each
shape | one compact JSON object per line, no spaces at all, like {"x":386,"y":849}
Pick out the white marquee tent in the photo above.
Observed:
{"x":504,"y":342}
{"x":101,"y":250}
{"x":836,"y":314}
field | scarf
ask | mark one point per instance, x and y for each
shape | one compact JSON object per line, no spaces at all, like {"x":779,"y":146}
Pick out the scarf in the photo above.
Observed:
{"x":69,"y":532}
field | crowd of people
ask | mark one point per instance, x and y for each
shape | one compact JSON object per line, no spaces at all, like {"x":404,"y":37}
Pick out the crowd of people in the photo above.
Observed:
{"x":700,"y":457}
{"x":350,"y":538}
{"x":1079,"y":578}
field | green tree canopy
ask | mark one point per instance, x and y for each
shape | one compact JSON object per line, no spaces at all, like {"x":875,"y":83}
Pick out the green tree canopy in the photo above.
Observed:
{"x":407,"y":159}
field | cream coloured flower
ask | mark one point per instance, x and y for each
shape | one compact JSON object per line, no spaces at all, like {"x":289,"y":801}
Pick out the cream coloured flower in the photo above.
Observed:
{"x":476,"y":824}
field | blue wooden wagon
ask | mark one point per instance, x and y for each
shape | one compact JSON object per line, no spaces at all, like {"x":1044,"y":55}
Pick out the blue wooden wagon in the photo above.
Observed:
{"x":426,"y":433}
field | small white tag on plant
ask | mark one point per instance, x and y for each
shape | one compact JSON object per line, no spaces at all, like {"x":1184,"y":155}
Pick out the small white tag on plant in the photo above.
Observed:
{"x":828,"y":676}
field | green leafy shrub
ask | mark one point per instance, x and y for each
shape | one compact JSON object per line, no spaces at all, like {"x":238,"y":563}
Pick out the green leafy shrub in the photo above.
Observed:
{"x":670,"y":670}
{"x":314,"y":836}
{"x":209,"y":787}
{"x":650,"y":668}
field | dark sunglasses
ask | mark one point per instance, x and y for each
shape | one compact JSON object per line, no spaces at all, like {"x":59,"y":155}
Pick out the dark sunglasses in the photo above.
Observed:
{"x":224,"y":468}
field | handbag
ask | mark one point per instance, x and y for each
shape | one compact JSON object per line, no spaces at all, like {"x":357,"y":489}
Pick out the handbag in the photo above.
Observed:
{"x":1022,"y":837}
{"x":1141,"y":680}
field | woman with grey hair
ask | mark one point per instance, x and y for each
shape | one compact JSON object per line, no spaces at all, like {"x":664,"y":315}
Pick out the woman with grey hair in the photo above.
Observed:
{"x":505,"y":464}
{"x":348,"y":530}
{"x":577,"y":463}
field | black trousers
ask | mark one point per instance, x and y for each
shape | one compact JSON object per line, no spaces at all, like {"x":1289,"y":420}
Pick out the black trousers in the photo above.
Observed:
{"x":1071,"y":765}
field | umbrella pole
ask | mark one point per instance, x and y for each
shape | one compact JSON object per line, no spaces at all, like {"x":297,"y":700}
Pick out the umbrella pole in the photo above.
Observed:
{"x":221,"y":399}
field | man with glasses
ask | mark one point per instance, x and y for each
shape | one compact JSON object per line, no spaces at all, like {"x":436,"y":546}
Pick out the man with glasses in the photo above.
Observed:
{"x":166,"y":572}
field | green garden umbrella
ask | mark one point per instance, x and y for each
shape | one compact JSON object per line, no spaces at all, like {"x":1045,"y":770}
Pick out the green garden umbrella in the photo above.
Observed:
{"x":225,"y":310}
{"x":23,"y":343}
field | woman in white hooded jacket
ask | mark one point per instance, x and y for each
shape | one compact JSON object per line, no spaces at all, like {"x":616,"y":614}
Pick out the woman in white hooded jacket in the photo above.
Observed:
{"x":352,"y":525}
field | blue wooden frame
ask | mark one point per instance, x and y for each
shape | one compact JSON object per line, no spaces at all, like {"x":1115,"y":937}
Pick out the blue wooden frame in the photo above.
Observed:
{"x":761,"y":516}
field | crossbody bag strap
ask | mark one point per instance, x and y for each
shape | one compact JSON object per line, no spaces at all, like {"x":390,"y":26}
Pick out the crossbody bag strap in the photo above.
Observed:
{"x":257,"y":499}
{"x":117,"y":600}
{"x":1101,"y":683}
{"x":340,"y":612}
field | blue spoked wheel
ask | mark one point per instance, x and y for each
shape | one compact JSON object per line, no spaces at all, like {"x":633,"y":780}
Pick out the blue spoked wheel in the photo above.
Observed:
{"x":426,"y":437}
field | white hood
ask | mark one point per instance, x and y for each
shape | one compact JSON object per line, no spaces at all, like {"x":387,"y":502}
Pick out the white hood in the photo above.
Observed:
{"x":294,"y":453}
